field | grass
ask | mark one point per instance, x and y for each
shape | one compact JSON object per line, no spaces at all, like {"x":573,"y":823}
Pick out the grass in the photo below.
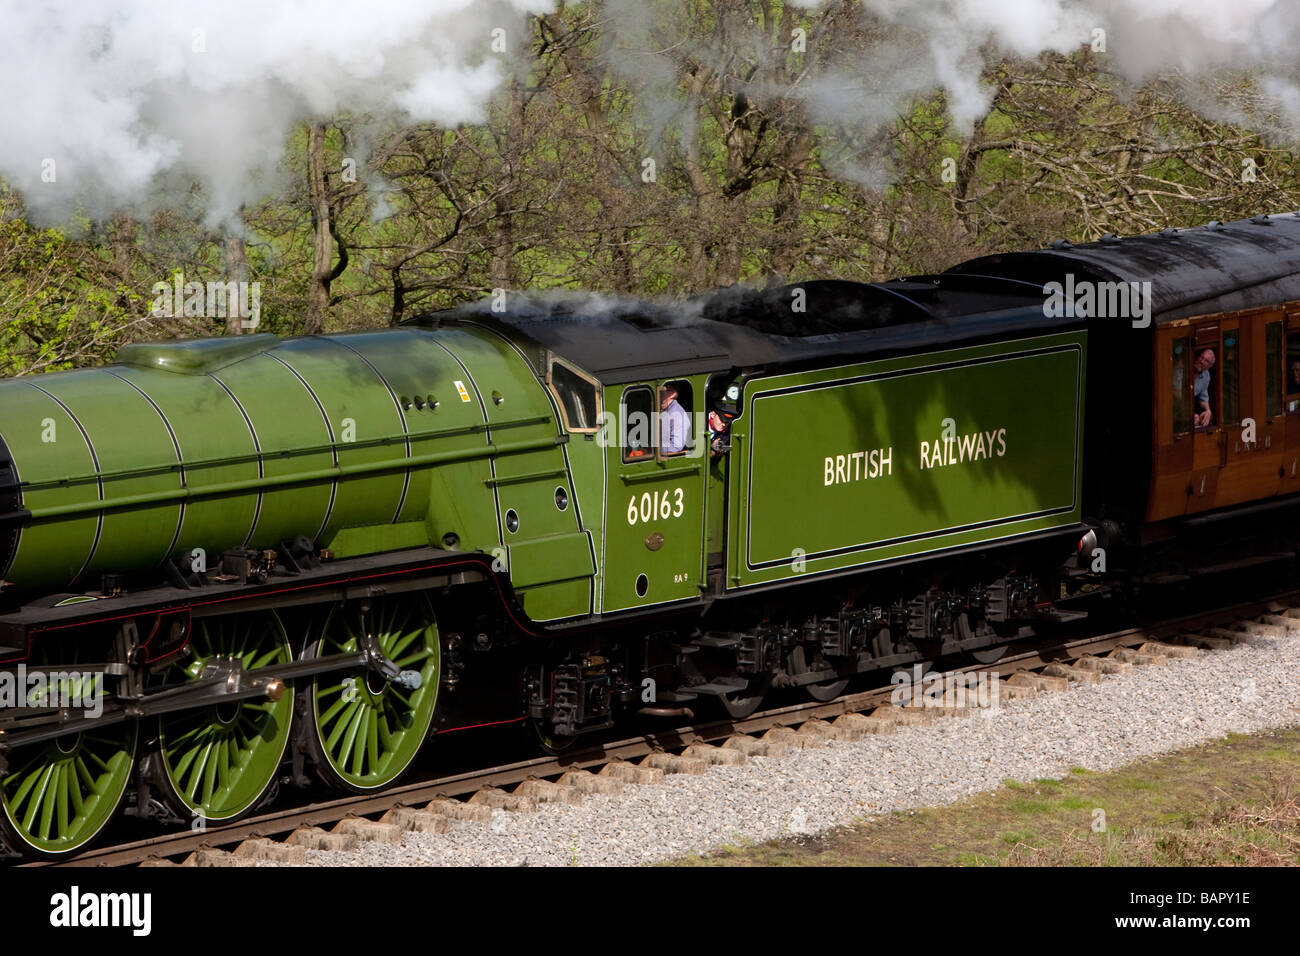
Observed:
{"x":1234,"y":801}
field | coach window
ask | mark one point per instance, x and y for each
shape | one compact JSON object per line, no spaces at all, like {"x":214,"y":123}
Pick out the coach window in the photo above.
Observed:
{"x":637,"y":421}
{"x":1231,"y":378}
{"x":577,"y":395}
{"x":1293,"y":372}
{"x":675,"y":406}
{"x":1182,"y":390}
{"x":1206,"y":372}
{"x":1273,"y":369}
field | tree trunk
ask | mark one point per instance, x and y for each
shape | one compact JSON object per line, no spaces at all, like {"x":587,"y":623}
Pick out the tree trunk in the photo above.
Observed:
{"x":122,"y":242}
{"x":788,"y":238}
{"x":697,"y":241}
{"x":502,"y":268}
{"x":236,"y":271}
{"x":318,"y":291}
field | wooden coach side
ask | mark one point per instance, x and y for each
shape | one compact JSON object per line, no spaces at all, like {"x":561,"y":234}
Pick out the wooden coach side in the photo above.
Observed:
{"x":1250,"y":450}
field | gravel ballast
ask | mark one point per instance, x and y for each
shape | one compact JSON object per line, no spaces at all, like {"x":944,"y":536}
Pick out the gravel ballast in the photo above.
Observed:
{"x":1152,"y":710}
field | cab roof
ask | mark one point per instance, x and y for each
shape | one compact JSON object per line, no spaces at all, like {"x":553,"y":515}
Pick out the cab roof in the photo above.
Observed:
{"x":621,"y":340}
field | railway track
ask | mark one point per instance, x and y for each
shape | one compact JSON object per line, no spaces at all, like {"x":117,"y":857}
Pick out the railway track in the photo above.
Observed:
{"x":430,"y":804}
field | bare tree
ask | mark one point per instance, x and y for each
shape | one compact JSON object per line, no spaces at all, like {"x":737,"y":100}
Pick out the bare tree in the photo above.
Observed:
{"x":237,"y":271}
{"x":325,"y":232}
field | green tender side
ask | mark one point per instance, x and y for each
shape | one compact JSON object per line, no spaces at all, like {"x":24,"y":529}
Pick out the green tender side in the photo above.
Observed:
{"x":839,"y":468}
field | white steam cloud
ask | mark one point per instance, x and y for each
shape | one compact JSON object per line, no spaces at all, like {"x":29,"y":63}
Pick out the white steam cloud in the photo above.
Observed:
{"x":125,"y":105}
{"x":908,"y":49}
{"x":944,"y":44}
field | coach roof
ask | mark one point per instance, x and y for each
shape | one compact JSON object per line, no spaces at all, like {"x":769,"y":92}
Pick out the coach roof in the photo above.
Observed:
{"x":1219,"y":267}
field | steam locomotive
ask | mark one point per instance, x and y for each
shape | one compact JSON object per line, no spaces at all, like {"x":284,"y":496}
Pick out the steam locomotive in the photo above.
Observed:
{"x":234,"y":563}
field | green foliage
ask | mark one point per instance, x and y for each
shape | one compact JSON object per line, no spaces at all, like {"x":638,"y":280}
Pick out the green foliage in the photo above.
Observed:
{"x":554,"y":190}
{"x":52,"y":317}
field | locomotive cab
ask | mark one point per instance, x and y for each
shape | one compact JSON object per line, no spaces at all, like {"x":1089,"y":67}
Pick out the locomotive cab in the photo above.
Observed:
{"x":658,"y":466}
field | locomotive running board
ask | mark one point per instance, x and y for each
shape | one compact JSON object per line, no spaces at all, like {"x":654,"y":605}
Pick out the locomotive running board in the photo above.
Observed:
{"x":337,"y":580}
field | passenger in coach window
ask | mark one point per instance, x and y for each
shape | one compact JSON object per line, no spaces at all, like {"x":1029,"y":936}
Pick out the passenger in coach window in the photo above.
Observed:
{"x":1201,"y":388}
{"x":674,"y":422}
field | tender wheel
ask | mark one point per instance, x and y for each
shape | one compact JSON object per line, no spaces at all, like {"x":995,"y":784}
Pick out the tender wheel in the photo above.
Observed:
{"x":741,"y":704}
{"x":984,"y":655}
{"x":989,"y":655}
{"x":59,"y":795}
{"x":826,"y":690}
{"x":366,"y":731}
{"x":218,"y":762}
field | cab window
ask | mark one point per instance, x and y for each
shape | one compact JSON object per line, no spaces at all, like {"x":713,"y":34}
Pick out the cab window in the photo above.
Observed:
{"x":676,"y":404}
{"x":577,"y":396}
{"x":637,"y":424}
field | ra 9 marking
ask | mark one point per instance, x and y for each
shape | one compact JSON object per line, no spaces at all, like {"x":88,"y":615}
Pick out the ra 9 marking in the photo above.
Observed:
{"x":657,"y":504}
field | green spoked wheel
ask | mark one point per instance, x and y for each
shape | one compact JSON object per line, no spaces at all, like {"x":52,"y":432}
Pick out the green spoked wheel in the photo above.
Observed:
{"x":218,"y":761}
{"x":367,"y":730}
{"x":58,"y":795}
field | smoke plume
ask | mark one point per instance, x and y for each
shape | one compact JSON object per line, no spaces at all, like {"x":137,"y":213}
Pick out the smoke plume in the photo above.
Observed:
{"x":128,"y":104}
{"x":131,"y":104}
{"x":909,"y":49}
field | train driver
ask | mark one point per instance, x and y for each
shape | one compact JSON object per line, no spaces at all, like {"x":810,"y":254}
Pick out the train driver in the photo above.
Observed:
{"x":720,"y":419}
{"x":1201,"y":388}
{"x":674,"y":422}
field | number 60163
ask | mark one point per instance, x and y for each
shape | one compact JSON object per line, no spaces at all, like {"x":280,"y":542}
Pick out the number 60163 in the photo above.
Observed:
{"x":656,"y":504}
